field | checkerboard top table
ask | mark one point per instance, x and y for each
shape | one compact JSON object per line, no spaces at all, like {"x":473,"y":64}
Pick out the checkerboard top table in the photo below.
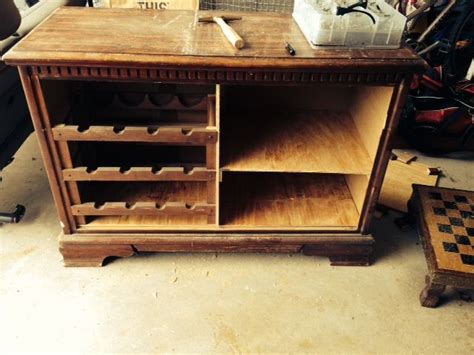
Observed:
{"x":446,"y":222}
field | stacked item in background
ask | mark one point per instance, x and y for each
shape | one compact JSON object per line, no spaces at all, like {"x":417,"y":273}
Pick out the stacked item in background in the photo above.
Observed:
{"x":350,"y":23}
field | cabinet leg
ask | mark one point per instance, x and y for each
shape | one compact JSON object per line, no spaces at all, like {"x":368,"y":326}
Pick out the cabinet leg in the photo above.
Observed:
{"x":92,"y":255}
{"x":343,"y":254}
{"x":430,"y":295}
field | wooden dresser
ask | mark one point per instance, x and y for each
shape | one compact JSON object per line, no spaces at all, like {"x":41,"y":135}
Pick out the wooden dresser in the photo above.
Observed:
{"x":158,"y":135}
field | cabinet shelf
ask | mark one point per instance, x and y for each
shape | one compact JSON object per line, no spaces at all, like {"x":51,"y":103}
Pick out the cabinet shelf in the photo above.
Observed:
{"x":138,"y":174}
{"x":156,"y":134}
{"x":287,"y":200}
{"x":141,"y":208}
{"x":308,"y":141}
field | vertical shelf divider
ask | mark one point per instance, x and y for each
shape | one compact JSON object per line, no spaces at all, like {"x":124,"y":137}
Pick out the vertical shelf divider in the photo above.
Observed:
{"x":212,"y":159}
{"x":218,"y":151}
{"x":72,"y":187}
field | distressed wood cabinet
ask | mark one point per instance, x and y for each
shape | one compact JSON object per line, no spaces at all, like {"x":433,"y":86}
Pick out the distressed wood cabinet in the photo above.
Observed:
{"x":157,"y":135}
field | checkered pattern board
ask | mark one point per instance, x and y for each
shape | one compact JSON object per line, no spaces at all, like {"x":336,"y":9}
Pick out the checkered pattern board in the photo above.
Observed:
{"x":449,"y":216}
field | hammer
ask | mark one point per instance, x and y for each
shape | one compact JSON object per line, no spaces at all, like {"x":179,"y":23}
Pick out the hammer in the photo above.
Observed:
{"x":229,"y":32}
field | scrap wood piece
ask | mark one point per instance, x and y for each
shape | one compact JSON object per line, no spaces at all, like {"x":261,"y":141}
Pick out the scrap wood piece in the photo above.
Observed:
{"x":397,"y":185}
{"x":405,"y":157}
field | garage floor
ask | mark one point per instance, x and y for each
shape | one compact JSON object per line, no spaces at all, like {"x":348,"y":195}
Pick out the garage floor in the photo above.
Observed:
{"x":216,"y":303}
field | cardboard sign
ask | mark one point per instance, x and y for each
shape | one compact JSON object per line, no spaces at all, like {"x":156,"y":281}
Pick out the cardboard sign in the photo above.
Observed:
{"x":153,"y":4}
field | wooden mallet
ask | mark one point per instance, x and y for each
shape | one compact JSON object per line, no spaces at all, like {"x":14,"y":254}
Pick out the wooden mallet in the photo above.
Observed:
{"x":229,"y":32}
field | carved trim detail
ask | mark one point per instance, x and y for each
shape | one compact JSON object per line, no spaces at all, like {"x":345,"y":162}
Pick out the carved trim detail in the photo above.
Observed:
{"x":214,"y":75}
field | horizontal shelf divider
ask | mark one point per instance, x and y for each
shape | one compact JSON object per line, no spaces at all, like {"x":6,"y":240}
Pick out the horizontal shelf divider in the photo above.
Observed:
{"x":187,"y":134}
{"x":139,"y":174}
{"x":141,"y":208}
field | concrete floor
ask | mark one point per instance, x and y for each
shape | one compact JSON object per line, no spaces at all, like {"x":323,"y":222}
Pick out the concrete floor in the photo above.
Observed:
{"x":208,"y":303}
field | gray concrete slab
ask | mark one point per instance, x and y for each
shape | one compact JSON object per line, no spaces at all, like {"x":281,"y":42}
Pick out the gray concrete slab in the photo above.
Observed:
{"x":216,"y":303}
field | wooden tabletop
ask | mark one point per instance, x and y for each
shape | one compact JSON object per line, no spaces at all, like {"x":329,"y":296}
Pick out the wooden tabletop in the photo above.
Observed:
{"x":135,"y":37}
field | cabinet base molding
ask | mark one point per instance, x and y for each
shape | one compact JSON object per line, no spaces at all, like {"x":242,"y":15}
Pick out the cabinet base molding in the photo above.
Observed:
{"x":92,"y":249}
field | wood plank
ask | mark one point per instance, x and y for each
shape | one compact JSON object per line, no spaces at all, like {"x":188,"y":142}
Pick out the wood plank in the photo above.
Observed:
{"x":217,"y":108}
{"x":168,"y":239}
{"x":192,"y":224}
{"x":306,"y":141}
{"x":52,"y":149}
{"x":382,"y":156}
{"x":157,"y":134}
{"x":139,"y":174}
{"x":211,"y":110}
{"x":30,"y":88}
{"x":263,"y":199}
{"x":399,"y":178}
{"x":163,"y":38}
{"x":141,"y":208}
{"x":146,"y":223}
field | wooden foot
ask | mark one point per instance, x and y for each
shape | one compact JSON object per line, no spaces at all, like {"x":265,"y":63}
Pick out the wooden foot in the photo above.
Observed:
{"x":466,"y":295}
{"x":343,"y":254}
{"x":92,"y":255}
{"x":430,"y":295}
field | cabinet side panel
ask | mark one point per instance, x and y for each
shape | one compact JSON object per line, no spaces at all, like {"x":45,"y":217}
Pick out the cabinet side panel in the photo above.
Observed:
{"x":32,"y":100}
{"x":357,"y":185}
{"x":382,"y":157}
{"x":369,"y":108}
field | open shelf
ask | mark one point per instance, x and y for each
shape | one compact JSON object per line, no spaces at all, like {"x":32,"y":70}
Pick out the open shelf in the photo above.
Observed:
{"x":287,"y":200}
{"x":88,"y":103}
{"x":297,"y":141}
{"x":146,"y":158}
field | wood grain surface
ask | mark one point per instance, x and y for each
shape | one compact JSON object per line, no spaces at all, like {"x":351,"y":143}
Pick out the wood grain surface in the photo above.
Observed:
{"x":399,"y":178}
{"x":191,"y":135}
{"x":447,"y":228}
{"x":77,"y":48}
{"x":305,"y":141}
{"x":138,"y":174}
{"x":253,"y":199}
{"x":88,"y":36}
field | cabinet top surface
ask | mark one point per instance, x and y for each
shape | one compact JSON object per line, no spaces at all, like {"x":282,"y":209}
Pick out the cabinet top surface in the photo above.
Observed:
{"x":112,"y":37}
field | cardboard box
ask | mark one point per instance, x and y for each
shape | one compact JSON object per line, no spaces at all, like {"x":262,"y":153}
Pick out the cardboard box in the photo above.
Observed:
{"x":153,"y":4}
